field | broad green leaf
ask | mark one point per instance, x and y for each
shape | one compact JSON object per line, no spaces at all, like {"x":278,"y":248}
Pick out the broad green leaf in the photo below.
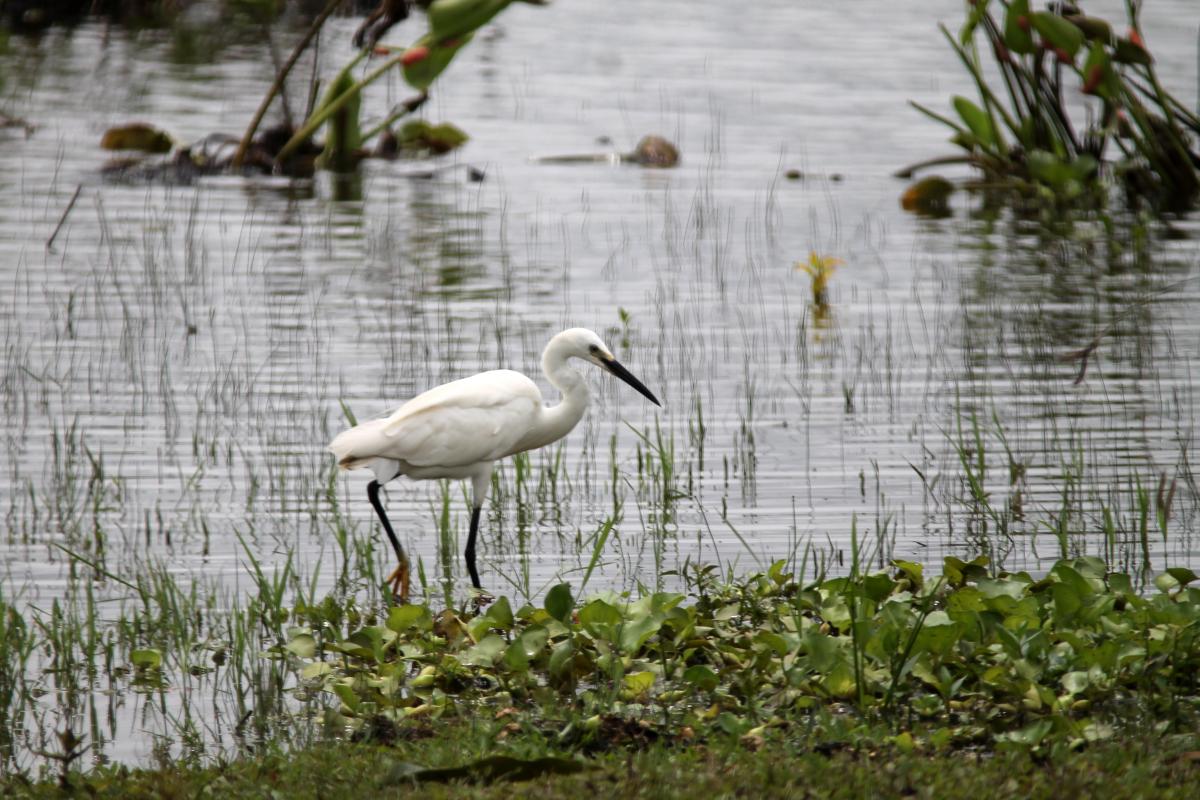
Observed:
{"x":635,"y":634}
{"x":561,"y":659}
{"x":402,"y":618}
{"x":533,"y":640}
{"x":638,"y":683}
{"x":317,"y":669}
{"x":878,"y":586}
{"x":485,"y":653}
{"x":977,"y":122}
{"x":1075,"y":682}
{"x":598,"y":617}
{"x":148,"y":658}
{"x":303,"y":645}
{"x":560,"y":603}
{"x":702,"y":677}
{"x":501,"y":614}
{"x":347,"y":696}
{"x":1067,"y":602}
{"x":840,"y":681}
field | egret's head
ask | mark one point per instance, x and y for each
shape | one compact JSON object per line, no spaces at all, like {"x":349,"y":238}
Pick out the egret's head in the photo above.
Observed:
{"x":585,"y":344}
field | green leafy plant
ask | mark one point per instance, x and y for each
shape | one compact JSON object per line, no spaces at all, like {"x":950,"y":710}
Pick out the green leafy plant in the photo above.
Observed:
{"x":1023,"y":134}
{"x":1018,"y":659}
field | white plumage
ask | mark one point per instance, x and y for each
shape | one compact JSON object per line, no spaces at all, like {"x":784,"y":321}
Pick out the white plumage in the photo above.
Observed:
{"x":459,"y":429}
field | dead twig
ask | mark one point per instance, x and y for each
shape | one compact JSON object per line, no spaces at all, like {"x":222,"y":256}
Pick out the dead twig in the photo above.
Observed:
{"x":280,"y":77}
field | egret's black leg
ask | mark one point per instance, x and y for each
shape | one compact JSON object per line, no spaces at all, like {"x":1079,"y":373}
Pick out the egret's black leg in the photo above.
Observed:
{"x":400,"y":577}
{"x":470,"y":554}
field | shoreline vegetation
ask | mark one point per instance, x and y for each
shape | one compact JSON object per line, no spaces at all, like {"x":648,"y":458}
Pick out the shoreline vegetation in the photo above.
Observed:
{"x":890,"y":678}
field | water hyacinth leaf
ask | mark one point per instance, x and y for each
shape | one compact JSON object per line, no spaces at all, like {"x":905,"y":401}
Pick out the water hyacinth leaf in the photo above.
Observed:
{"x":485,"y":653}
{"x":938,"y":633}
{"x":1058,"y":32}
{"x":515,"y":657}
{"x":776,"y":573}
{"x":562,"y":659}
{"x":427,"y":59}
{"x":913,"y":571}
{"x":533,"y":640}
{"x":145,"y":659}
{"x":1075,"y":682}
{"x":1067,"y":602}
{"x":402,"y":618}
{"x":702,"y":677}
{"x":317,"y":669}
{"x":977,"y":122}
{"x":1174,"y":578}
{"x":634,"y":634}
{"x":598,"y":617}
{"x":1181,"y":574}
{"x":559,"y":602}
{"x":637,"y":684}
{"x":347,"y":696}
{"x":1016,"y":27}
{"x":1029,"y":736}
{"x":774,"y":642}
{"x":822,"y":650}
{"x":302,"y":645}
{"x":878,"y":586}
{"x":501,"y":614}
{"x":839,"y":682}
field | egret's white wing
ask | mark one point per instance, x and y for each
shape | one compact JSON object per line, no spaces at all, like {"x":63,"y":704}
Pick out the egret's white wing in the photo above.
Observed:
{"x":469,"y":421}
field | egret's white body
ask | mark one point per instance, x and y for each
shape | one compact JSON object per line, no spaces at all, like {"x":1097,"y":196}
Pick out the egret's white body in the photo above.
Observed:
{"x":461,"y":428}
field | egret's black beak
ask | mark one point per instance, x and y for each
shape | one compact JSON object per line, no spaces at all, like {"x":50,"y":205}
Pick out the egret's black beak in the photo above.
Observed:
{"x":614,"y":366}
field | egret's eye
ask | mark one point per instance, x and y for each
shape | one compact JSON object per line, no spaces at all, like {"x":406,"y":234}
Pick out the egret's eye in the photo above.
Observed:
{"x":593,"y":349}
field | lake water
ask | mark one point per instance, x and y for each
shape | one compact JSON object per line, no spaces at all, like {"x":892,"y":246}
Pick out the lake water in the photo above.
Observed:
{"x":174,"y":366}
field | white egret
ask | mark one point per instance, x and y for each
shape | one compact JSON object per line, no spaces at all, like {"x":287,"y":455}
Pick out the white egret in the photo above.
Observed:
{"x":459,"y":429}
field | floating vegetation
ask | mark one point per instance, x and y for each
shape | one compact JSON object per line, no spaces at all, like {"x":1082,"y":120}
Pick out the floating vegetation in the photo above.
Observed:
{"x":1027,"y":136}
{"x":651,"y":151}
{"x":1002,"y":658}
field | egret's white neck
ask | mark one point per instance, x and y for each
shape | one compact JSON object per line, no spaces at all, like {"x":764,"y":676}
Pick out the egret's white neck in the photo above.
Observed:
{"x":557,"y":421}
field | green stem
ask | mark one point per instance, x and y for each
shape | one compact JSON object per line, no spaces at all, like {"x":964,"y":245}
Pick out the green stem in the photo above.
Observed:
{"x":280,"y":77}
{"x":322,"y":114}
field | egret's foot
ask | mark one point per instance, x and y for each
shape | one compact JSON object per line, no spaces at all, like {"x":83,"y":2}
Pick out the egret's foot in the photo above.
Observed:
{"x":480,"y":599}
{"x":398,"y":581}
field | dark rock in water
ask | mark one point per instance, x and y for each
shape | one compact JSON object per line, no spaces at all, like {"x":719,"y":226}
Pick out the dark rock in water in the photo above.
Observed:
{"x":654,"y":151}
{"x":651,"y":151}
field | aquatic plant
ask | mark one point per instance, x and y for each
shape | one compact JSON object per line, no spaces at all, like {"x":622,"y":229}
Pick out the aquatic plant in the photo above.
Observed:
{"x":1007,"y":658}
{"x":1026,"y":135}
